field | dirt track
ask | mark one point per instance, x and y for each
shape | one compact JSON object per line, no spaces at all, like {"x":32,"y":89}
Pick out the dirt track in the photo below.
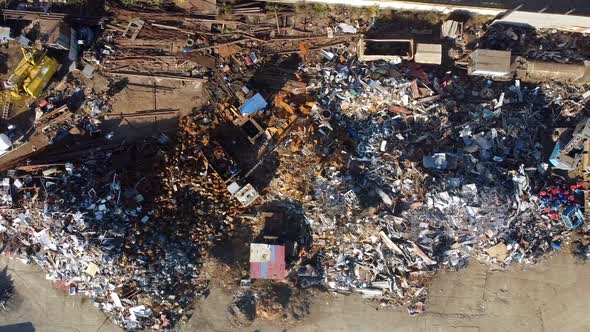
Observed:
{"x":552,"y":296}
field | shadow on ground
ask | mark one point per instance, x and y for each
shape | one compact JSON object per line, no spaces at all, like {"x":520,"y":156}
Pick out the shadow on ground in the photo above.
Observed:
{"x":285,"y":224}
{"x":234,"y":251}
{"x":234,"y":141}
{"x":21,"y":327}
{"x":6,"y":281}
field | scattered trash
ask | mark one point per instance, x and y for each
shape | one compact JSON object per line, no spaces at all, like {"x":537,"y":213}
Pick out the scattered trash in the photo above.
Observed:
{"x":347,"y":28}
{"x":385,"y":169}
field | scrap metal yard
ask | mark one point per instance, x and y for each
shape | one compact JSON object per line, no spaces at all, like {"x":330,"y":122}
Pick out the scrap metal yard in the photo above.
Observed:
{"x":476,"y":299}
{"x":243,"y":165}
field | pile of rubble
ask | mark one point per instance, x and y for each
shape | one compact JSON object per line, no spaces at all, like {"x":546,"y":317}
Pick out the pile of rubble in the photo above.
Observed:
{"x":133,"y":244}
{"x":428,"y":180}
{"x":398,"y":169}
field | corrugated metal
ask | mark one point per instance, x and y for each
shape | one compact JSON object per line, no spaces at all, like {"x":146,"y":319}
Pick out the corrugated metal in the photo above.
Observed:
{"x":267,"y":261}
{"x":254,"y":104}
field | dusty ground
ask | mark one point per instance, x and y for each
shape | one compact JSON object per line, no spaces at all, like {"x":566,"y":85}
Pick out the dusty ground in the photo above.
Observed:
{"x":139,"y":96}
{"x":549,"y":297}
{"x":552,"y":296}
{"x":46,"y":308}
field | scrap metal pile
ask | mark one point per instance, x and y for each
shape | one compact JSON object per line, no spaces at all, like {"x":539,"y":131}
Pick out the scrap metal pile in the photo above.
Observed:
{"x":414,"y":181}
{"x":550,"y":45}
{"x":6,"y":290}
{"x":131,"y":242}
{"x":183,"y":45}
{"x":398,"y":169}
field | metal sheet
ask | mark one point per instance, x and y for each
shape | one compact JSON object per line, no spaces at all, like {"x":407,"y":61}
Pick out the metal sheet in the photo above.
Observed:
{"x":267,"y":261}
{"x":428,"y":54}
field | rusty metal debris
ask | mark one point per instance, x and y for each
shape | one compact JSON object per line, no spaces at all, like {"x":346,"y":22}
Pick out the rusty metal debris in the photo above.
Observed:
{"x":370,"y":175}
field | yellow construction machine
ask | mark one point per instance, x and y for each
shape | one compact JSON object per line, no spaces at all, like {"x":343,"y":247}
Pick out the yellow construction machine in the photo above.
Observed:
{"x":32,"y":74}
{"x":30,"y":77}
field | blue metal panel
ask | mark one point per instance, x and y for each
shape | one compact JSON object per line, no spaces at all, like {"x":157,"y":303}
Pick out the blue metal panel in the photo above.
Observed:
{"x":253,"y":105}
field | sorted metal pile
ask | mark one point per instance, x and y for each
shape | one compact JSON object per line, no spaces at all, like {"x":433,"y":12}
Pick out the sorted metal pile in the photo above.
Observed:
{"x":183,"y":45}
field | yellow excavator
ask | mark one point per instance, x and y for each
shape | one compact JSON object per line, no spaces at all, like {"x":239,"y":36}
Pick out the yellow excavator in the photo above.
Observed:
{"x":30,"y":77}
{"x":32,"y":74}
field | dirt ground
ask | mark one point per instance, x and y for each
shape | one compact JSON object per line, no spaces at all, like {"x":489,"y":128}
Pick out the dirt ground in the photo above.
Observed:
{"x":139,"y":95}
{"x":551,"y":296}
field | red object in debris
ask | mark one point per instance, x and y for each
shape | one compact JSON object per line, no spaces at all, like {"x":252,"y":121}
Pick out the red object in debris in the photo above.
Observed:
{"x":399,"y":109}
{"x":43,"y":103}
{"x":547,"y":210}
{"x":543,"y":193}
{"x":267,"y":261}
{"x":554,"y":191}
{"x":420,"y":74}
{"x":571,"y":198}
{"x":554,"y":216}
{"x":566,"y":192}
{"x":580,"y":184}
{"x":165,"y":321}
{"x":60,"y":284}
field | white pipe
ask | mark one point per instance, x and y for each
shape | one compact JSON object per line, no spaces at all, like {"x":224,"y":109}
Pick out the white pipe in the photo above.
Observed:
{"x":401,"y":5}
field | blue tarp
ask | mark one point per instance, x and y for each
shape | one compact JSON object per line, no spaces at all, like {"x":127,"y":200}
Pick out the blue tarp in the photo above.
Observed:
{"x":254,"y":104}
{"x":554,"y":154}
